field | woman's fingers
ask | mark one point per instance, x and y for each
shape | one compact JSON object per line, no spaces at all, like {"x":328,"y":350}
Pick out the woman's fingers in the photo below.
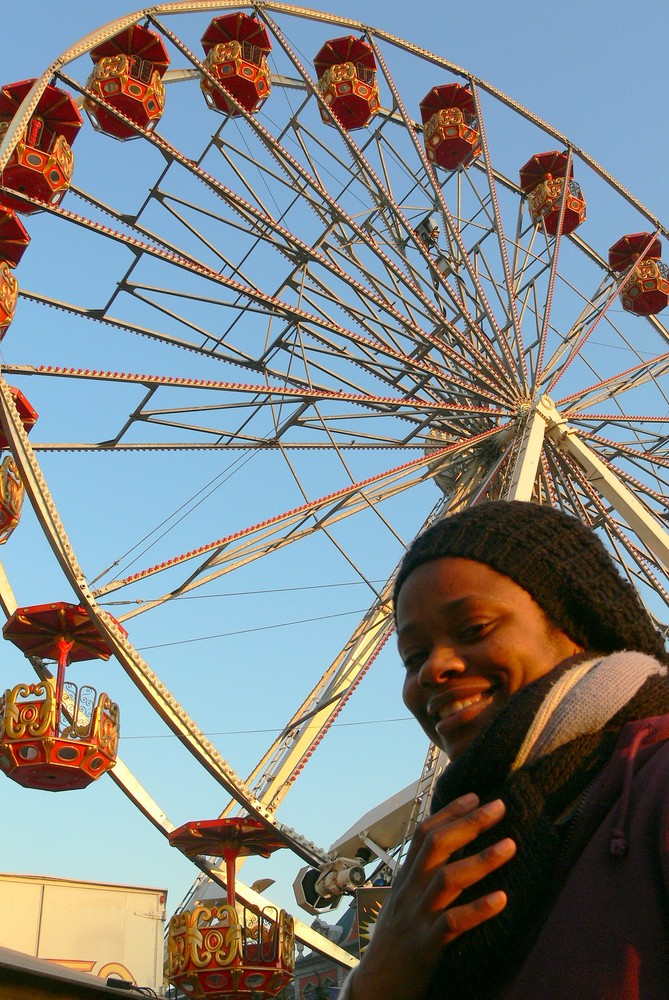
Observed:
{"x":458,"y":919}
{"x":430,"y":831}
{"x":453,"y":878}
{"x":448,"y":831}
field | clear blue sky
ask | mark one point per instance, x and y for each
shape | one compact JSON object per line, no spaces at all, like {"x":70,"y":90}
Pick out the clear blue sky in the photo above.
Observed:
{"x":598,"y":73}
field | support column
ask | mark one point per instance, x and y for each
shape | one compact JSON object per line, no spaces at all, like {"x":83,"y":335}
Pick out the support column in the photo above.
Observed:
{"x":528,"y":457}
{"x":606,"y":482}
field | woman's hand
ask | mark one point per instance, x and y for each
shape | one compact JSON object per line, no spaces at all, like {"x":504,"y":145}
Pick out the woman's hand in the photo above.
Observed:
{"x":421,"y":915}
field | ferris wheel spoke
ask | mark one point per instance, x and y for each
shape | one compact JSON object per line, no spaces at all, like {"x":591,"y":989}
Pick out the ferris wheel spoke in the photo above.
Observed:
{"x":285,"y":758}
{"x":150,"y":296}
{"x":268,"y":303}
{"x":648,"y":372}
{"x":587,"y":324}
{"x":268,"y":229}
{"x":155,"y":239}
{"x":395,"y":368}
{"x":510,"y":304}
{"x":554,"y":257}
{"x":567,"y":344}
{"x":296,"y":171}
{"x":579,"y":338}
{"x":137,"y":291}
{"x":529,"y":264}
{"x":453,"y":230}
{"x":416,"y":369}
{"x":650,"y":441}
{"x":465,"y":365}
{"x":610,"y":486}
{"x":380,"y":196}
{"x":223,"y":350}
{"x":636,"y":561}
{"x":285,"y":529}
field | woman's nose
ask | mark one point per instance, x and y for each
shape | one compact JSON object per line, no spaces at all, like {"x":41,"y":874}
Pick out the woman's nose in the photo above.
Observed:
{"x":442,"y":663}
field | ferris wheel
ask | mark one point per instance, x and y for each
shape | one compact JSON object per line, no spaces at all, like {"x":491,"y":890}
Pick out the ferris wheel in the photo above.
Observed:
{"x":277,"y":289}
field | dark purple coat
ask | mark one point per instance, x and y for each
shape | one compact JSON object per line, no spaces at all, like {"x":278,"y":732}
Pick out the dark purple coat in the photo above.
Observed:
{"x":607,"y":937}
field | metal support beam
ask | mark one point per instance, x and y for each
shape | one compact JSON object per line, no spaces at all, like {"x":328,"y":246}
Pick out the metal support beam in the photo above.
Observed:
{"x":528,"y":457}
{"x":604,"y":479}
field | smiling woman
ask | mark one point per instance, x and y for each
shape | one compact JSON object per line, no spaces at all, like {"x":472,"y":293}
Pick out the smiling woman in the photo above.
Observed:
{"x":469,"y":639}
{"x":535,"y":666}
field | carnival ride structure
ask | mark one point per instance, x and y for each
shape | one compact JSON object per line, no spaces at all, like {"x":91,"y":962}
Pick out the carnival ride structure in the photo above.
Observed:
{"x":309,"y":287}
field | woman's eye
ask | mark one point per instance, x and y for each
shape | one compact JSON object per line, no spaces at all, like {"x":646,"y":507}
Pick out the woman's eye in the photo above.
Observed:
{"x":474,"y":631}
{"x":413,"y":661}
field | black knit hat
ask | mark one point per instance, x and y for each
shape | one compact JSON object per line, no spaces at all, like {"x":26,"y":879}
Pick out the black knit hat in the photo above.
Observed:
{"x":560,"y":562}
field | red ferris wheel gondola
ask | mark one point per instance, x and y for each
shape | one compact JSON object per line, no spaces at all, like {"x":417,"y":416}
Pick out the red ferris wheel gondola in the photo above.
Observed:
{"x":41,"y":163}
{"x":236,"y":47}
{"x":27,"y":413}
{"x":128,"y":77}
{"x":450,"y":130}
{"x":11,"y":486}
{"x":13,"y":241}
{"x":44,"y":743}
{"x":543,"y":179}
{"x":645,"y":289}
{"x":14,"y":238}
{"x":9,"y":294}
{"x":219,"y":949}
{"x":346,"y":71}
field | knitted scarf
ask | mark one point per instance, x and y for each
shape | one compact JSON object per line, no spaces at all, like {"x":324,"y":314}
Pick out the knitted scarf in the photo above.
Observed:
{"x":540,"y":755}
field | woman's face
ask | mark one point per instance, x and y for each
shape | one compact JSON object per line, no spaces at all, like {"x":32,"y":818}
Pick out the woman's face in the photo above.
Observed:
{"x":469,"y":638}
